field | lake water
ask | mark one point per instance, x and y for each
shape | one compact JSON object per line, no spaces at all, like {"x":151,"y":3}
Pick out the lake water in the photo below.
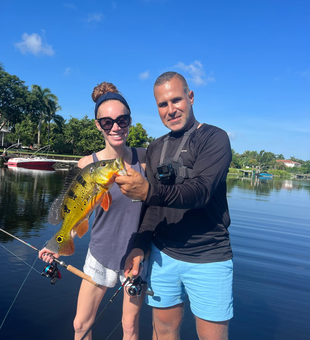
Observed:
{"x":270,"y":235}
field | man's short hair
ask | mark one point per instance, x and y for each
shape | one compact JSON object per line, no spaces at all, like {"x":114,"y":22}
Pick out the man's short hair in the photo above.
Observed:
{"x":167,"y":76}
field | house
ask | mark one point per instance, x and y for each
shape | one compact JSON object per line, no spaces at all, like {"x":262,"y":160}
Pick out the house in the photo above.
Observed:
{"x":289,"y":164}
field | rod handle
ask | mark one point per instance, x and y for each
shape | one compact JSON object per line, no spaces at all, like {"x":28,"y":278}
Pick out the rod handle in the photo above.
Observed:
{"x":81,"y":275}
{"x":130,"y":275}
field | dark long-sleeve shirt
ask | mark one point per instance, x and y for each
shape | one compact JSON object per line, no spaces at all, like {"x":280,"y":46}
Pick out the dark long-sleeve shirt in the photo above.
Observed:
{"x":190,"y":221}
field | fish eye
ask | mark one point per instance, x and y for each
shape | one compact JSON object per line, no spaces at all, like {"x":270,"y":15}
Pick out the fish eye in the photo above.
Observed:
{"x":103,"y":164}
{"x":59,"y":238}
{"x":91,"y":169}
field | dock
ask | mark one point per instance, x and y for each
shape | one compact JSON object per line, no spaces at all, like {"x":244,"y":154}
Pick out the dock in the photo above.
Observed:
{"x":246,"y":173}
{"x":302,"y":176}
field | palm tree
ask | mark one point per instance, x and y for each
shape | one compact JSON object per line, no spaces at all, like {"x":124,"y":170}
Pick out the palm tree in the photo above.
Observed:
{"x":52,"y":108}
{"x":43,"y":98}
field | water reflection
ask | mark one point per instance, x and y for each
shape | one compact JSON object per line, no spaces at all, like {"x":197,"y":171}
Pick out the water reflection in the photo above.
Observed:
{"x":265,"y":186}
{"x":25,"y":198}
{"x":270,"y":240}
{"x":26,"y":195}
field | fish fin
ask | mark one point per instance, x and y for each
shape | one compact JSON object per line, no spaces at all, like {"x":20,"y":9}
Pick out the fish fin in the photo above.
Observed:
{"x":66,"y":247}
{"x":106,"y":201}
{"x":55,"y":215}
{"x":82,"y":228}
{"x":71,"y":177}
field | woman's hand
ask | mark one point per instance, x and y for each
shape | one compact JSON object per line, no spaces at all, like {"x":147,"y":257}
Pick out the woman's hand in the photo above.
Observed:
{"x":47,"y":256}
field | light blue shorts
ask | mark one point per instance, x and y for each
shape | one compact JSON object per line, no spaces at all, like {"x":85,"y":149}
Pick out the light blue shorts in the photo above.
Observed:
{"x":208,"y":285}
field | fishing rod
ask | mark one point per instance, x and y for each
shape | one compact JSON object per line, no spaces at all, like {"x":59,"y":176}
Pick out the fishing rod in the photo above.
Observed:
{"x":52,"y":271}
{"x":128,"y":279}
{"x":134,"y":289}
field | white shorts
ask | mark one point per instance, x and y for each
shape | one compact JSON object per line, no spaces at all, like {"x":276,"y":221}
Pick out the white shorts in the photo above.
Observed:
{"x":105,"y":276}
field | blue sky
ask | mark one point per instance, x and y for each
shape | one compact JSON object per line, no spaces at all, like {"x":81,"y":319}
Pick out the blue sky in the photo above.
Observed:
{"x":248,"y":62}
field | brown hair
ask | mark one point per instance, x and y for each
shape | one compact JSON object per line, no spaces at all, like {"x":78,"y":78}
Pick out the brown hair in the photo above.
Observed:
{"x":103,"y":88}
{"x":167,"y":76}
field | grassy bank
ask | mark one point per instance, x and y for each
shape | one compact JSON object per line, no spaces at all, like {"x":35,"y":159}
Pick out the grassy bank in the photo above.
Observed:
{"x":276,"y":173}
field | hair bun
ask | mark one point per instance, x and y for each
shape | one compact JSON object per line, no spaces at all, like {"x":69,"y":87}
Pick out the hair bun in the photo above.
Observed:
{"x":103,"y":88}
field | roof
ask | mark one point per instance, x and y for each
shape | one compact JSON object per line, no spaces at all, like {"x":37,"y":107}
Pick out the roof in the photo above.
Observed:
{"x":287,"y":161}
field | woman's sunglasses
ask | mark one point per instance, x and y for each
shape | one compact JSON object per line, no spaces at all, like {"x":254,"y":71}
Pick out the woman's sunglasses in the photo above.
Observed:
{"x":106,"y":123}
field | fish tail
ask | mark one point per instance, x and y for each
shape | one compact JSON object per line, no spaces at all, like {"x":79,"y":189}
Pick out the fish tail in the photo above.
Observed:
{"x":52,"y":245}
{"x":60,"y":245}
{"x":67,"y":248}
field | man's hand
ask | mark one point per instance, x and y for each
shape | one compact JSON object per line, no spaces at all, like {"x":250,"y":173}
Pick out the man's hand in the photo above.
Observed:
{"x":133,"y":185}
{"x":133,"y":261}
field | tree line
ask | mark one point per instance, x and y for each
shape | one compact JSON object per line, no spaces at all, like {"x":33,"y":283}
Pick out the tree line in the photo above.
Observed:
{"x":31,"y":116}
{"x":267,"y":161}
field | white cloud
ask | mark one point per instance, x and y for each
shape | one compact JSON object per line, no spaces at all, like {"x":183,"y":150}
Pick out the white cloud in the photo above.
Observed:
{"x":70,"y":6}
{"x":197,"y":73}
{"x":33,"y":44}
{"x":232,"y":135}
{"x":305,"y":74}
{"x":210,"y":78}
{"x":95,"y":17}
{"x":68,"y":71}
{"x":144,"y":75}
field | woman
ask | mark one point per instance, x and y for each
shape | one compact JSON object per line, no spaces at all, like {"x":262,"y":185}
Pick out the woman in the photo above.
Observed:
{"x":113,"y":231}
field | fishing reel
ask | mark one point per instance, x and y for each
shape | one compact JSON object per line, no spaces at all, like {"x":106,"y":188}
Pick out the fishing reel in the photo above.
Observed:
{"x":51,"y":271}
{"x":135,"y":287}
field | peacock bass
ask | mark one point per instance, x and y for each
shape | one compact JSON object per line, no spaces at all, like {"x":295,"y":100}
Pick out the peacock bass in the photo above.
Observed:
{"x":84,"y":190}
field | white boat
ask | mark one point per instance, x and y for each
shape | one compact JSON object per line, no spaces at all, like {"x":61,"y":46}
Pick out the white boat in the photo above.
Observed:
{"x":32,"y":162}
{"x":32,"y":172}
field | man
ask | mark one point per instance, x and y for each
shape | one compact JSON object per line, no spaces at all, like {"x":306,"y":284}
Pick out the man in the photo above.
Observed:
{"x":186,"y":218}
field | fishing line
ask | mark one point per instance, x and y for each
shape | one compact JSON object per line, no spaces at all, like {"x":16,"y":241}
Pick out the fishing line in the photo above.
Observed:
{"x":76,"y":272}
{"x":113,"y":330}
{"x":18,"y":292}
{"x":29,"y":265}
{"x":70,"y":268}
